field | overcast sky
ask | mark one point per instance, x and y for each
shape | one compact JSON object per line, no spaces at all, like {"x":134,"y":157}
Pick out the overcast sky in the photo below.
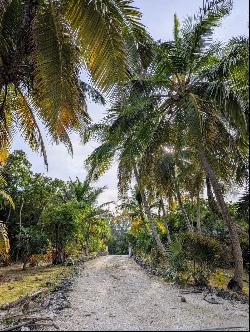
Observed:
{"x":158,"y":17}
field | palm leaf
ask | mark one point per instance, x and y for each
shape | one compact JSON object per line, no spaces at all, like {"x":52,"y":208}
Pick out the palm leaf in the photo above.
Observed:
{"x":56,"y":91}
{"x":100,"y":28}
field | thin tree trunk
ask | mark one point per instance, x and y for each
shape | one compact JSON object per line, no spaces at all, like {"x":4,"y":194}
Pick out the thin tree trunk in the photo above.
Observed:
{"x":20,"y":228}
{"x":210,"y":197}
{"x":8,"y":217}
{"x":57,"y":257}
{"x":142,"y":213}
{"x":165,"y":220}
{"x":20,"y":218}
{"x":87,"y":239}
{"x":198,"y":214}
{"x":183,"y":210}
{"x":236,"y":283}
{"x":149,"y":216}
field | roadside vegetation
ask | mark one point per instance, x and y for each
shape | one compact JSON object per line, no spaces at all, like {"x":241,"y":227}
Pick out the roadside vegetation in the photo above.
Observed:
{"x":179,"y":129}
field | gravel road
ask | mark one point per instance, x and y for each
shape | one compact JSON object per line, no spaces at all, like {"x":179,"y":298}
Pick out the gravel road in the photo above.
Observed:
{"x":112,"y":293}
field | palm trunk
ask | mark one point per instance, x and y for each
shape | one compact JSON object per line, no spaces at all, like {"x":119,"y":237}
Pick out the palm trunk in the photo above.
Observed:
{"x":141,"y":213}
{"x":8,"y":217}
{"x":165,"y":220}
{"x":183,"y":210}
{"x":149,"y":216}
{"x":198,"y":214}
{"x":210,"y":197}
{"x":236,"y":283}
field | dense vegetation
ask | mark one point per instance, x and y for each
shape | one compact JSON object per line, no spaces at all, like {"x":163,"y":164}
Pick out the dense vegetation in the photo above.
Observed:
{"x":190,"y":255}
{"x":52,"y":218}
{"x":181,"y":123}
{"x":178,"y":126}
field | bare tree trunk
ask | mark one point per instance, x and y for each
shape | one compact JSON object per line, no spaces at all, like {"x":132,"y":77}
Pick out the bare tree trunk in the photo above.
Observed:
{"x":149,"y":216}
{"x":236,"y":283}
{"x":181,"y":207}
{"x":20,"y":229}
{"x":20,"y":217}
{"x":165,"y":220}
{"x":57,"y":256}
{"x":198,"y":214}
{"x":210,"y":197}
{"x":8,"y":217}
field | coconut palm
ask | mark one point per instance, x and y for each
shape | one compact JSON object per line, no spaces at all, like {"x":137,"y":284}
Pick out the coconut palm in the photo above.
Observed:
{"x":195,"y":97}
{"x":202,"y":101}
{"x":43,"y":47}
{"x":127,"y":151}
{"x":172,"y":175}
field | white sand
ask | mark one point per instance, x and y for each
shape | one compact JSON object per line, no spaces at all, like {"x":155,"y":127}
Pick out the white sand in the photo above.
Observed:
{"x":112,"y":293}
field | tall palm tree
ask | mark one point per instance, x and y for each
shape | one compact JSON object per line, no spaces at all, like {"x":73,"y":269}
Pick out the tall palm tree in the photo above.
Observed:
{"x":194,"y":97}
{"x":204,"y":101}
{"x":43,"y":47}
{"x":172,"y":174}
{"x":127,"y":151}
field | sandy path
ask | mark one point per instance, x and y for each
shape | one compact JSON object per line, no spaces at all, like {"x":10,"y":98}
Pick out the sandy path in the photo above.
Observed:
{"x":114,"y":293}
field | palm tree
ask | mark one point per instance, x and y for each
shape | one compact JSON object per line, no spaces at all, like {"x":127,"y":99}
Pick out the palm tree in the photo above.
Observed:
{"x":43,"y":47}
{"x":160,"y":168}
{"x":83,"y":192}
{"x":92,"y":214}
{"x":127,"y":150}
{"x":195,"y":97}
{"x":200,"y":102}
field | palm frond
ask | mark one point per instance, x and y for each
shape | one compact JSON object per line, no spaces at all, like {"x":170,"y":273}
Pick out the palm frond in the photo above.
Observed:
{"x":10,"y":19}
{"x":7,"y":198}
{"x":100,"y":160}
{"x":3,"y":194}
{"x":27,"y":123}
{"x":101,"y":28}
{"x":197,"y":31}
{"x":92,"y":93}
{"x":176,"y":29}
{"x":56,"y":86}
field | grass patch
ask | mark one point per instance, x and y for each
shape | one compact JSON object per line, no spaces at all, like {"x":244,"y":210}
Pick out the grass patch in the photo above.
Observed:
{"x":15,"y":282}
{"x":222,"y":277}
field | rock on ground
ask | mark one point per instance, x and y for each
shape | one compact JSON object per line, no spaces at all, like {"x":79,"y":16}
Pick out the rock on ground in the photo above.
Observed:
{"x":112,"y":293}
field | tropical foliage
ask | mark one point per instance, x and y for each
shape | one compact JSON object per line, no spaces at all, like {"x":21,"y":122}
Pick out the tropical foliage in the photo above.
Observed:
{"x":44,"y":45}
{"x":50,"y":215}
{"x":181,"y":121}
{"x":177,"y":125}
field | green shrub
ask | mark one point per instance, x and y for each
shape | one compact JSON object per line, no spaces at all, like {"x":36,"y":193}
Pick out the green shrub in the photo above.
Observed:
{"x":201,"y":248}
{"x":143,"y":243}
{"x":30,"y":241}
{"x":244,"y":243}
{"x":205,"y":252}
{"x":60,"y":224}
{"x":177,"y":269}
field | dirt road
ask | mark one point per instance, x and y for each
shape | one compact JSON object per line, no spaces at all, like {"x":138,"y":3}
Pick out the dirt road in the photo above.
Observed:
{"x":112,"y":293}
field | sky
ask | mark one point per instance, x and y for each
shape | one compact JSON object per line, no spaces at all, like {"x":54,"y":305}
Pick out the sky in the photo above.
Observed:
{"x":158,"y":18}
